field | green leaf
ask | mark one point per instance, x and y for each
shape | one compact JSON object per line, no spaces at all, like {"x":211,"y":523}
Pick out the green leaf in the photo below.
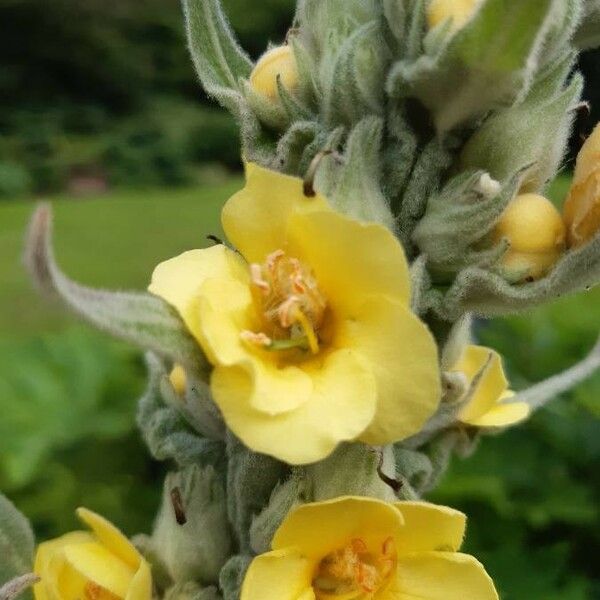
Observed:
{"x":144,"y":320}
{"x":16,"y":542}
{"x":486,"y":64}
{"x":588,"y":34}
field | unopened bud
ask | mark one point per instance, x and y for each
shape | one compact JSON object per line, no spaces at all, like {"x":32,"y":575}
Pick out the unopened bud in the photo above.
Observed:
{"x":275,"y":63}
{"x":536,"y":233}
{"x":178,"y":380}
{"x":459,"y":11}
{"x":582,"y":208}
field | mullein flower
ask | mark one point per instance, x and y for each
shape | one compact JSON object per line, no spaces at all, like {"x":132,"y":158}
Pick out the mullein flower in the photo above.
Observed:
{"x":97,"y":565}
{"x":536,"y":233}
{"x":309,"y":328}
{"x":582,"y":208}
{"x":276,"y":63}
{"x":459,"y":11}
{"x":357,"y":548}
{"x":490,"y":403}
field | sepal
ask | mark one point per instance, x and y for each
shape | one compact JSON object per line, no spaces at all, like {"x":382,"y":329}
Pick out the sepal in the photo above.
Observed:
{"x":481,"y":68}
{"x":191,"y":533}
{"x":588,"y":33}
{"x":166,"y":432}
{"x":192,"y":591}
{"x":16,"y":587}
{"x":232,"y":576}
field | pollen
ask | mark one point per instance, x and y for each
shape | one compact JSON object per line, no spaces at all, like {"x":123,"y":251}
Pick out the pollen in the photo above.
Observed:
{"x":289,"y":303}
{"x":355,"y":572}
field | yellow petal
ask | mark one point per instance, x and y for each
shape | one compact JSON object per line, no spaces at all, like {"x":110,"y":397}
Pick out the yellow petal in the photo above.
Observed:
{"x":430,"y":527}
{"x":351,"y":260}
{"x":492,"y":385}
{"x":141,"y":584}
{"x":279,"y":575}
{"x":403,"y":356}
{"x":340,"y":407}
{"x":503,"y":415}
{"x":320,"y":528}
{"x":110,"y":537}
{"x":275,"y":63}
{"x":443,"y":576}
{"x":97,"y":564}
{"x":225,"y":310}
{"x":256,"y":218}
{"x":179,"y":280}
{"x":49,"y":561}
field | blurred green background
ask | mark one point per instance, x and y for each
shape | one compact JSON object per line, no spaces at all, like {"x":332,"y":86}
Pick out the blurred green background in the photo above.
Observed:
{"x":100,"y":112}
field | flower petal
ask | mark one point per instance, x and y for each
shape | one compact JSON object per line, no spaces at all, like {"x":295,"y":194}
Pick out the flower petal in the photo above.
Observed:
{"x":430,"y":527}
{"x":403,"y":356}
{"x":340,"y":407}
{"x":225,"y":310}
{"x":141,"y":584}
{"x":492,"y":385}
{"x":256,"y":218}
{"x":179,"y":280}
{"x":503,"y":415}
{"x":442,"y":576}
{"x":98,"y":564}
{"x":320,"y":528}
{"x":111,"y":537}
{"x":351,"y":260}
{"x":279,"y":575}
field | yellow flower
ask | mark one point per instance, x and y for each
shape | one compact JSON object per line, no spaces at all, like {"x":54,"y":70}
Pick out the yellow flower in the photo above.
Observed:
{"x":359,"y":548}
{"x":488,"y":406}
{"x":460,"y":11}
{"x":582,"y":208}
{"x":310,"y":333}
{"x":178,"y":379}
{"x":97,"y":565}
{"x":536,"y":233}
{"x":277,"y":62}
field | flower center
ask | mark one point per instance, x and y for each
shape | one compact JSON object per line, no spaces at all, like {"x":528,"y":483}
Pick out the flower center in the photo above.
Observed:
{"x":354,"y":572}
{"x":290,"y":304}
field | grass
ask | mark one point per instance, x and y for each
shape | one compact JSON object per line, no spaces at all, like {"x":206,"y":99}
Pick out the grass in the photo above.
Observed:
{"x":110,"y":241}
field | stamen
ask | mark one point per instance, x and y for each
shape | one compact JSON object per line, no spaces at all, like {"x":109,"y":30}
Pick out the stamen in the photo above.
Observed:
{"x":256,"y":339}
{"x":308,"y":329}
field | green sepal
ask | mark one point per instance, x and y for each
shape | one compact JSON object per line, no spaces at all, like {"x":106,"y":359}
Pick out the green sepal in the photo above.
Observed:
{"x":539,"y":127}
{"x":251,"y":479}
{"x":139,"y":318}
{"x":487,"y":294}
{"x":292,"y":146}
{"x":17,"y":543}
{"x":19,"y":586}
{"x":481,"y":68}
{"x":166,"y":432}
{"x":192,"y":591}
{"x":232,"y":576}
{"x":588,"y":33}
{"x":191,"y":534}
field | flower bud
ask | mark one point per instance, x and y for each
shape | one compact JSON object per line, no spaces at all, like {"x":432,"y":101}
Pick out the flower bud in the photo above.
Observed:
{"x":277,"y":62}
{"x":178,"y":380}
{"x":582,"y":208}
{"x":536,"y":233}
{"x":99,"y":565}
{"x":460,"y":11}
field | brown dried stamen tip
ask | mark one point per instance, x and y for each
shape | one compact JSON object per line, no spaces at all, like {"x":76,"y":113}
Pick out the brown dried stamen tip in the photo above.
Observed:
{"x":215,"y":239}
{"x":178,"y":508}
{"x":395,"y":484}
{"x":309,"y":178}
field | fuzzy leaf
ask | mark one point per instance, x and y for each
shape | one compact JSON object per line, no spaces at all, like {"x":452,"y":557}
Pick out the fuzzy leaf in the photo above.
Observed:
{"x":487,"y":294}
{"x":588,"y":34}
{"x":486,"y":64}
{"x":16,"y":542}
{"x":232,"y":576}
{"x":139,"y":318}
{"x":539,"y":127}
{"x":218,"y":58}
{"x":165,"y":432}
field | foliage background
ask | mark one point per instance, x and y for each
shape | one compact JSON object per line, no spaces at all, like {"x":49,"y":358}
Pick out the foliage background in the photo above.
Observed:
{"x":100,"y":110}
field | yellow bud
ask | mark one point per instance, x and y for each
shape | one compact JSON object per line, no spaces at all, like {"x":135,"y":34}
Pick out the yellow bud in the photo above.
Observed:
{"x":536,"y":233}
{"x":101,"y":564}
{"x":277,"y":62}
{"x":460,"y":11}
{"x":178,"y":379}
{"x":582,"y":208}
